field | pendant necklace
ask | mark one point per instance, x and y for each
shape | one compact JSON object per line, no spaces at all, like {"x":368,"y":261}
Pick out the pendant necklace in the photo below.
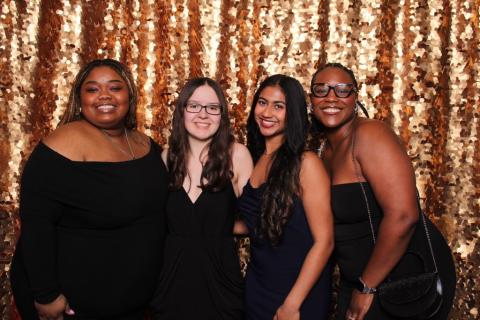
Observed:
{"x":109,"y":137}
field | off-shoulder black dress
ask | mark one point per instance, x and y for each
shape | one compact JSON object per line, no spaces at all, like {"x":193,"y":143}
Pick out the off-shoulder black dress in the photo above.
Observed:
{"x":93,"y":231}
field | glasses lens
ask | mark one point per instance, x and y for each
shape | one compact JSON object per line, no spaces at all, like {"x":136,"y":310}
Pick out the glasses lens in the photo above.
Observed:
{"x":320,"y":90}
{"x":343,"y":90}
{"x":213,"y":109}
{"x":194,"y":108}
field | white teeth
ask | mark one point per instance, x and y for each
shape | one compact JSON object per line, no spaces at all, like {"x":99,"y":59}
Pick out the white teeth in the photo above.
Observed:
{"x":331,"y":110}
{"x":106,"y":107}
{"x":203,"y":125}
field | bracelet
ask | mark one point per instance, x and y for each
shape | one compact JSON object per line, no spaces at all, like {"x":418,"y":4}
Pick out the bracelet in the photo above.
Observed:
{"x":361,"y":286}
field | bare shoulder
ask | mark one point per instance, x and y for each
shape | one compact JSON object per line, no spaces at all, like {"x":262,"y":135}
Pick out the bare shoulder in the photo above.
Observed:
{"x":311,"y":165}
{"x":240,"y":152}
{"x":313,"y":174}
{"x":310,"y":158}
{"x":374,"y":133}
{"x":68,"y":139}
{"x":140,"y":138}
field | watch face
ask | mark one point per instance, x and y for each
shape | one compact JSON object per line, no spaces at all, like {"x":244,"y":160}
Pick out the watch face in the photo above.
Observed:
{"x":359,"y":285}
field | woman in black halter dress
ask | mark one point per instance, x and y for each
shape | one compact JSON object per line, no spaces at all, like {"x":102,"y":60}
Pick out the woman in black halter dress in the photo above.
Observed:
{"x":367,"y":164}
{"x":201,"y":276}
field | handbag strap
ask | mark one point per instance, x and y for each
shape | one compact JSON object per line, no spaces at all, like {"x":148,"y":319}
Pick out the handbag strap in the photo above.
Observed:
{"x":424,"y":220}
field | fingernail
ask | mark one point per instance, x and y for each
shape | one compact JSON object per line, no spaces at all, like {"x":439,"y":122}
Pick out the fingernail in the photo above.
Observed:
{"x":70,"y":312}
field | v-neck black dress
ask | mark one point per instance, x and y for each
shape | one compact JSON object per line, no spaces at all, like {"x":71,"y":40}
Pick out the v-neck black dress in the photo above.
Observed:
{"x":201,"y":277}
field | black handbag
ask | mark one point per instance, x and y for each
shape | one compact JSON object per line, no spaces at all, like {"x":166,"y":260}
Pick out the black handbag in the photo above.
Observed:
{"x":415,"y":296}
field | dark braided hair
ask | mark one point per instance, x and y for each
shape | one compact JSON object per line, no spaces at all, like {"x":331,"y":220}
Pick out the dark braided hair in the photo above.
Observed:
{"x":282,"y":183}
{"x":317,"y":128}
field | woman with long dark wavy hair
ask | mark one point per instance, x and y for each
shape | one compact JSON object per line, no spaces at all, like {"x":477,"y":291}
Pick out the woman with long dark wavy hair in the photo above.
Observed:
{"x":201,"y":277}
{"x":286,"y":210}
{"x":379,"y":231}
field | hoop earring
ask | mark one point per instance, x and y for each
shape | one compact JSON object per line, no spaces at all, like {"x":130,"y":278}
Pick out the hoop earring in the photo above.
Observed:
{"x":356,"y":108}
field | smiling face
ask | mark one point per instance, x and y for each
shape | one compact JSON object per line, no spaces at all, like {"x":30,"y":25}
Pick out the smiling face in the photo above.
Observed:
{"x":104,"y":98}
{"x":202,"y":125}
{"x":331,"y":110}
{"x":271,"y":111}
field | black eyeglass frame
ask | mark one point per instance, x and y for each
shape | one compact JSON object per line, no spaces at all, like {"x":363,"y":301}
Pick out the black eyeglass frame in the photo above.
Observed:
{"x":204,"y":107}
{"x":334,"y":88}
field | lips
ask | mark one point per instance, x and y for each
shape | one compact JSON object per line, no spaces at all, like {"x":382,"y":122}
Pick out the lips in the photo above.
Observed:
{"x":106,"y":108}
{"x":202,"y":124}
{"x":331,"y":110}
{"x":267,"y":123}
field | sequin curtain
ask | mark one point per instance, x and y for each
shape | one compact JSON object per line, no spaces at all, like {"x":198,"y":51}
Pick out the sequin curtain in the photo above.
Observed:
{"x":417,"y":62}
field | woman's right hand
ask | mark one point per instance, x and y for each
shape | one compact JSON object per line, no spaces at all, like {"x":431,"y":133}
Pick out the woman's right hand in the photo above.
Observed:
{"x":54,"y":310}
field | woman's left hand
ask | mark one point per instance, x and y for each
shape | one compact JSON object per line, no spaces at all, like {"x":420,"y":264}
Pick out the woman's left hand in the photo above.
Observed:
{"x":359,"y":305}
{"x":287,"y":313}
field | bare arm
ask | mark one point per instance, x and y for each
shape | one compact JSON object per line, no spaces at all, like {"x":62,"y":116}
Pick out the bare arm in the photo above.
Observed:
{"x":242,"y":168}
{"x":315,"y":196}
{"x":386,"y":166}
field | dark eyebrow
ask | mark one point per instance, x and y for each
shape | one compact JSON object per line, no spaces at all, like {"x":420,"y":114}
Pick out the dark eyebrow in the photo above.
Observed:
{"x":278,"y":101}
{"x":109,"y":81}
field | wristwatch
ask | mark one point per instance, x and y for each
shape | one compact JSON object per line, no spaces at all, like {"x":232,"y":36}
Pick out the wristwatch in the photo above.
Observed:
{"x":361,"y":286}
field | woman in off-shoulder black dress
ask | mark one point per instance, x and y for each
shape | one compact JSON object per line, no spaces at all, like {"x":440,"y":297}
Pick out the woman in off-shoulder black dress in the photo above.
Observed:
{"x":367,"y":164}
{"x":91,"y":208}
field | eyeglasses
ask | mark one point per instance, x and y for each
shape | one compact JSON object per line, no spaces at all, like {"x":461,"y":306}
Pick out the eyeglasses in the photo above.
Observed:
{"x":213,"y":109}
{"x":342,"y":90}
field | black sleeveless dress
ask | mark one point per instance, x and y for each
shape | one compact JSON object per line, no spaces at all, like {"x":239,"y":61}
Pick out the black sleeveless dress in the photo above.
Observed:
{"x":201,"y":278}
{"x":272,"y":271}
{"x":354,"y":245}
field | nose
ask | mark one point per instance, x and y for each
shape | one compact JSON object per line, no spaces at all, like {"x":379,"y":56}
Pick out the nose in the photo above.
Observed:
{"x":331,"y":94}
{"x":203,"y":113}
{"x":105,"y":94}
{"x":268,"y":110}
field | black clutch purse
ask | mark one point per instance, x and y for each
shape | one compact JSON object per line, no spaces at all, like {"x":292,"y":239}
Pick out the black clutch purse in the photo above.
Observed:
{"x":414,"y":296}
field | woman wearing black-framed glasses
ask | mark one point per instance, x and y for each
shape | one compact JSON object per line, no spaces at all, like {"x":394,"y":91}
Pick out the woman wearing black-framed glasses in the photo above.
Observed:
{"x":374,"y":202}
{"x":201,"y":276}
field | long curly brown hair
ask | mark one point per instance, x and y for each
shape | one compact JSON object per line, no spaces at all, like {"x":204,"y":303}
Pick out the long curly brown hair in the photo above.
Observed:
{"x":217,"y":170}
{"x":283,"y":181}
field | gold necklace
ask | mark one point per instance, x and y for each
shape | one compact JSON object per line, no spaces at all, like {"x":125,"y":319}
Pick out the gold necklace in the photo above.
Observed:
{"x":109,"y":137}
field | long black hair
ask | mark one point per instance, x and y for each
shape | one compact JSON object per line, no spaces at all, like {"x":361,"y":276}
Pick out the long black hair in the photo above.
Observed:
{"x":217,"y":171}
{"x":283,"y":183}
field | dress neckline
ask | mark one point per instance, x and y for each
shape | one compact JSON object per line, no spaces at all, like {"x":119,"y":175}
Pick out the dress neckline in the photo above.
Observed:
{"x":59,"y":155}
{"x":346,"y":184}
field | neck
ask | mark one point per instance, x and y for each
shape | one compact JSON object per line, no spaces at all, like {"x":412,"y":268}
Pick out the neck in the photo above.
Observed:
{"x":116,"y":132}
{"x":197,"y":147}
{"x":335,"y":136}
{"x":273,"y":143}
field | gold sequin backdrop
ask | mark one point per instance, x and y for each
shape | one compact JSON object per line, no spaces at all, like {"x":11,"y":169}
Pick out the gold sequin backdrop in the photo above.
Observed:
{"x":417,"y":61}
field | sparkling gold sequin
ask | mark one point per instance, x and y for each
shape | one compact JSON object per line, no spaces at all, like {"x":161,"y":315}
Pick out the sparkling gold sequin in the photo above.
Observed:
{"x":417,"y":63}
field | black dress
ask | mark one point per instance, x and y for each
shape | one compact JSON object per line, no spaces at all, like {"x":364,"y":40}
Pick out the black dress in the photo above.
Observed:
{"x":201,"y":277}
{"x":93,"y":231}
{"x":354,"y":245}
{"x":272,"y":271}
